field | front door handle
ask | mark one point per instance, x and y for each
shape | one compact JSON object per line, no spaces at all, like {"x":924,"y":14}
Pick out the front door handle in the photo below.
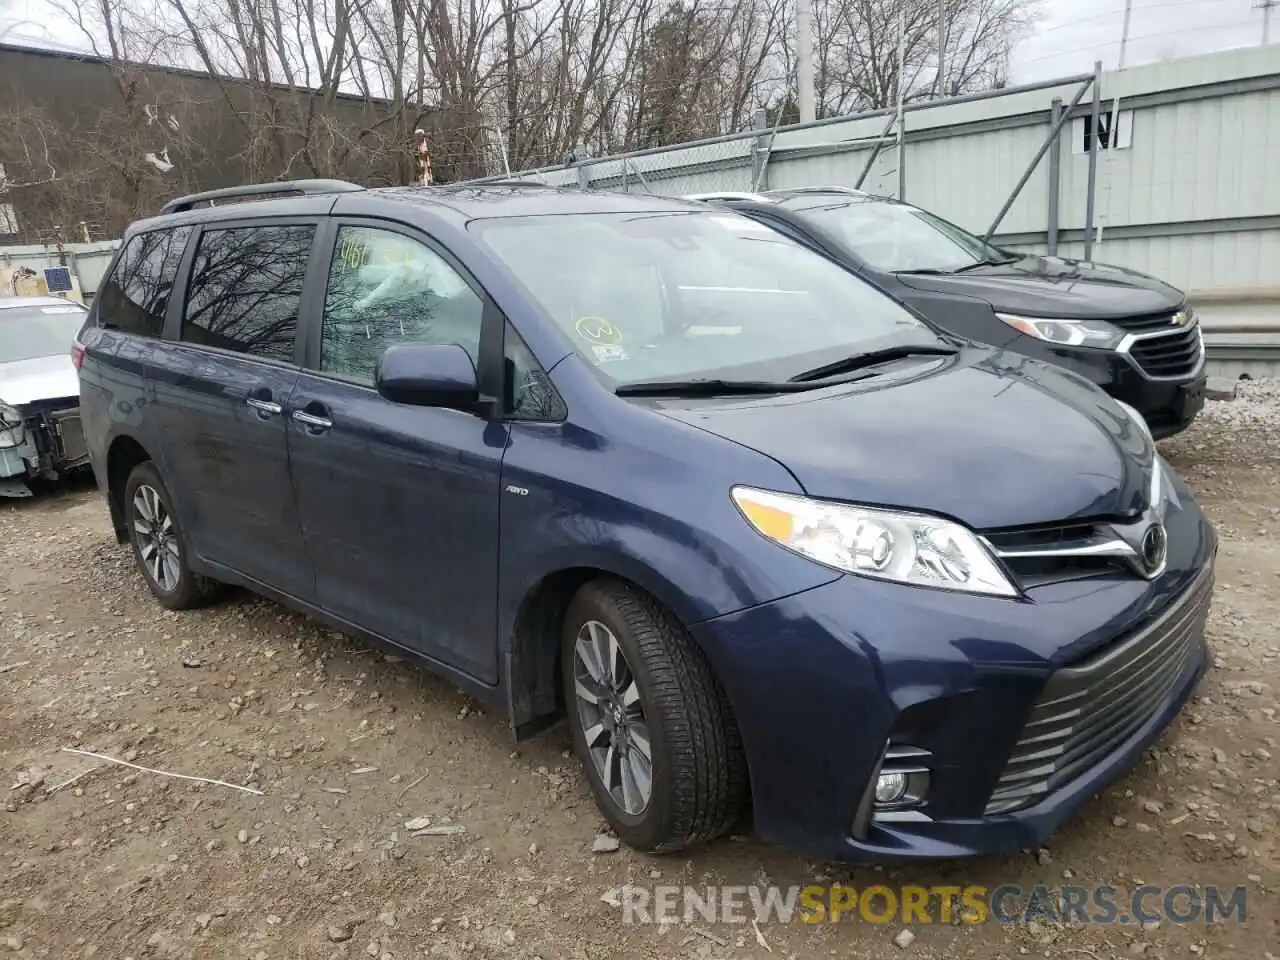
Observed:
{"x":264,"y":406}
{"x":312,"y":421}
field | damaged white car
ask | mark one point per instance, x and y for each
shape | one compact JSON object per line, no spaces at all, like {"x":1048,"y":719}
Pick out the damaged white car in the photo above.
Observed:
{"x":40,"y":435}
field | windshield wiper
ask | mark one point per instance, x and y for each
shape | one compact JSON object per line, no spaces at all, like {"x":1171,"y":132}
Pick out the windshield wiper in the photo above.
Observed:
{"x":860,"y":360}
{"x":985,"y":262}
{"x":706,"y":388}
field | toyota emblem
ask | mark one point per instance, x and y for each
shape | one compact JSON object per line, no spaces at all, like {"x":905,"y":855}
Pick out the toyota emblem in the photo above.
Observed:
{"x":1155,"y":544}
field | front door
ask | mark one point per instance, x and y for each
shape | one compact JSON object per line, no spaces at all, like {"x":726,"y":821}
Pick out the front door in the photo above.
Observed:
{"x":221,"y":392}
{"x":399,"y":504}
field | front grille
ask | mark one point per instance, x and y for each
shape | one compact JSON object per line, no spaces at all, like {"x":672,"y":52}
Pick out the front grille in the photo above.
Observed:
{"x":1175,"y":354}
{"x":1037,"y":556}
{"x":1087,"y":710}
{"x":1147,"y":324}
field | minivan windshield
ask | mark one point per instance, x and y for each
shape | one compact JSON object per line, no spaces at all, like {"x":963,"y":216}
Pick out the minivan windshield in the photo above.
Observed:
{"x":43,"y":331}
{"x":665,"y":295}
{"x":898,"y":238}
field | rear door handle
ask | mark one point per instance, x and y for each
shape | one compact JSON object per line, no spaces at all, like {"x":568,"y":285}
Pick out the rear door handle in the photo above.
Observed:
{"x":265,"y":406}
{"x":311,"y":420}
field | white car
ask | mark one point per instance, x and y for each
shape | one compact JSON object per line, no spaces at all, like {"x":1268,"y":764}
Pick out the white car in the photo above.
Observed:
{"x":40,"y":433}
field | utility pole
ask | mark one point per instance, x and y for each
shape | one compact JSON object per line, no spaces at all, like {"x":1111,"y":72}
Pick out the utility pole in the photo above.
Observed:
{"x":804,"y":60}
{"x":1266,"y":20}
{"x":902,"y":95}
{"x":941,"y":82}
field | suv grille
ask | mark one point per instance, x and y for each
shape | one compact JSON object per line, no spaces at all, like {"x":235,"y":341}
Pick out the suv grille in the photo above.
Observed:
{"x":1087,"y":710}
{"x":1037,"y":556}
{"x":1175,"y":354}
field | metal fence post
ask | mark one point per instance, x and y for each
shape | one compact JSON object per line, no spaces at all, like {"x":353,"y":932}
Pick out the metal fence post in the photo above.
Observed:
{"x":875,"y":150}
{"x":1055,"y":176}
{"x":1050,"y":140}
{"x":579,"y":161}
{"x":760,"y":148}
{"x":1089,"y":201}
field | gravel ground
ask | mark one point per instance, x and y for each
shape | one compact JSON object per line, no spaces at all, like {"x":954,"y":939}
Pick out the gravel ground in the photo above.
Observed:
{"x":347,"y":745}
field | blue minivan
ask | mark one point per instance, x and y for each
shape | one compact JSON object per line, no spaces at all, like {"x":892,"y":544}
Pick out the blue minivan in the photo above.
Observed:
{"x":763,"y":536}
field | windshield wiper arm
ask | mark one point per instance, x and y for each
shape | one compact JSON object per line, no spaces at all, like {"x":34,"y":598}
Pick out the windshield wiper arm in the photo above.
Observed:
{"x":871,"y":358}
{"x":706,"y":388}
{"x":985,"y":262}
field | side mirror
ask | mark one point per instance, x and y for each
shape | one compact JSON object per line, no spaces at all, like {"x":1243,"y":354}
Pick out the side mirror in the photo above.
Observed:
{"x":428,"y":375}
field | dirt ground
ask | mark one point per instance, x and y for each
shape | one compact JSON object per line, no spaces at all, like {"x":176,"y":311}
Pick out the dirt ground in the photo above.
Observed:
{"x":346,"y":745}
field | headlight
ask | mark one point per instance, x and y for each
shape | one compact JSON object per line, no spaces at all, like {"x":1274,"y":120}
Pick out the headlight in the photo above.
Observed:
{"x":910,"y":548}
{"x":1068,"y":333}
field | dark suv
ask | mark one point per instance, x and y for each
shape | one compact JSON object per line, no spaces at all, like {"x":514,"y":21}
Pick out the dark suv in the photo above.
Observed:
{"x":752,"y":526}
{"x":1133,"y":335}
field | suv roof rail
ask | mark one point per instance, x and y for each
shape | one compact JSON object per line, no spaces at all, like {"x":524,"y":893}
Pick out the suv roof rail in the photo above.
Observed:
{"x":535,"y":184}
{"x":727,"y":195}
{"x":296,"y":187}
{"x":835,"y":188}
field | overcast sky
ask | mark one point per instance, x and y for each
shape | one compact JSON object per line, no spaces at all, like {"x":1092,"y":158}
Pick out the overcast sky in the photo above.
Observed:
{"x":1070,"y":37}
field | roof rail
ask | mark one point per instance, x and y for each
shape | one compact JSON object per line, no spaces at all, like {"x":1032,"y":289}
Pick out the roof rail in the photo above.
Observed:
{"x":295,"y":187}
{"x":535,"y":184}
{"x":727,"y":195}
{"x":847,"y":191}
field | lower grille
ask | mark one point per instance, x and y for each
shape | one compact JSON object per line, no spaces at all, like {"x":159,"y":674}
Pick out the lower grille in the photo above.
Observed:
{"x":1089,"y":709}
{"x":1169,"y":355}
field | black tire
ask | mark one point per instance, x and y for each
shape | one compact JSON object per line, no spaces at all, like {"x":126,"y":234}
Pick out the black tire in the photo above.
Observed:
{"x":698,"y":770}
{"x":175,"y":586}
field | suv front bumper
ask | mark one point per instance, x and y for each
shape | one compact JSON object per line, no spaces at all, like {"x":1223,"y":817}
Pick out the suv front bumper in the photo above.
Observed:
{"x":822,"y":681}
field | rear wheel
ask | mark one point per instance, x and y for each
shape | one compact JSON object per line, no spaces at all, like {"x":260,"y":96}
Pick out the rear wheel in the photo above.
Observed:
{"x":158,"y":544}
{"x":650,"y":723}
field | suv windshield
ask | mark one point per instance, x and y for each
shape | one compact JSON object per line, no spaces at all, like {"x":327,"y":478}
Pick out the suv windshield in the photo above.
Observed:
{"x":43,"y":331}
{"x":673,"y":294}
{"x":895,"y":237}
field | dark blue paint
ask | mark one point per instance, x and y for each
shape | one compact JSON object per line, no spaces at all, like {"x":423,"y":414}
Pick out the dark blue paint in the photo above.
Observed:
{"x":431,"y":529}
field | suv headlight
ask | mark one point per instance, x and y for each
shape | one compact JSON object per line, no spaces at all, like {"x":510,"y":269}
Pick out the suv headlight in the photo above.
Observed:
{"x":1068,"y":333}
{"x":911,"y":548}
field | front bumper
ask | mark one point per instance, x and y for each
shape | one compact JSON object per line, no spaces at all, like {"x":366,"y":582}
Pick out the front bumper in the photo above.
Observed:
{"x":821,"y":681}
{"x":1168,"y":405}
{"x":48,"y":442}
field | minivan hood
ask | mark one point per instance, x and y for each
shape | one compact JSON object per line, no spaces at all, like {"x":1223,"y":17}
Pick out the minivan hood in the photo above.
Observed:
{"x":40,"y":378}
{"x":1053,"y":287}
{"x":993,"y":440}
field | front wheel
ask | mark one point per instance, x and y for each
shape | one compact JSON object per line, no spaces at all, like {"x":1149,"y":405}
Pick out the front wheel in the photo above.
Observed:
{"x":158,"y":544}
{"x":650,"y":723}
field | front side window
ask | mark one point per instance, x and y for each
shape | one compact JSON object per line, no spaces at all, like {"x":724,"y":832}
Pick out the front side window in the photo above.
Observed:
{"x":385,"y":288}
{"x":895,"y":237}
{"x":530,"y":393}
{"x":48,"y":330}
{"x":245,"y":290}
{"x":671,"y":294}
{"x":134,"y":297}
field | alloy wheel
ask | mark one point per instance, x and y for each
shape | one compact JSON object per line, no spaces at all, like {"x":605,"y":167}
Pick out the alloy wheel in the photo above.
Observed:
{"x":157,"y":538}
{"x":612,"y":717}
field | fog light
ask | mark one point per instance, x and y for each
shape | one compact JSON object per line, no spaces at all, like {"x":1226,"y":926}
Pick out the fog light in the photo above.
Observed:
{"x":891,"y":787}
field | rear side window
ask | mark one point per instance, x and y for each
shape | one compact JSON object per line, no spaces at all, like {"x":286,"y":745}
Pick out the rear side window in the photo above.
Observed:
{"x":133,"y":299}
{"x":245,"y":290}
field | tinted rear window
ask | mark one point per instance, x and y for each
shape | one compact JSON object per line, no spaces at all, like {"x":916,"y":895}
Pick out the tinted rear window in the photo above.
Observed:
{"x":133,"y":299}
{"x":245,"y":290}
